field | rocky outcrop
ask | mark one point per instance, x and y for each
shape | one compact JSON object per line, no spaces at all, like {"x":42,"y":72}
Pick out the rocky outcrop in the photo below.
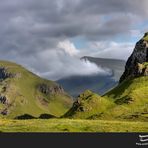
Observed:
{"x":81,"y":104}
{"x":138,"y":58}
{"x":4,"y":74}
{"x":142,"y":69}
{"x":47,"y":90}
{"x":3,"y":100}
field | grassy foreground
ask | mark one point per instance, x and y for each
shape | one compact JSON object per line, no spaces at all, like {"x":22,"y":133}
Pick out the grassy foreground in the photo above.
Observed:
{"x":71,"y":125}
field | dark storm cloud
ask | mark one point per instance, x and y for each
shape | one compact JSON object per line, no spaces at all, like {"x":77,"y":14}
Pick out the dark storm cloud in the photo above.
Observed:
{"x":31,"y":27}
{"x":40,"y":20}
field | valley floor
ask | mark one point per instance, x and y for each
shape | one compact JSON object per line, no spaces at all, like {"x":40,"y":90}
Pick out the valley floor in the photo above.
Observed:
{"x":71,"y":125}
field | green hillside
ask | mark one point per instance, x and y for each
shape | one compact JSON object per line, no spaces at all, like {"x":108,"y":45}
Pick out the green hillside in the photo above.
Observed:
{"x":88,"y":106}
{"x":128,"y":101}
{"x":22,"y":92}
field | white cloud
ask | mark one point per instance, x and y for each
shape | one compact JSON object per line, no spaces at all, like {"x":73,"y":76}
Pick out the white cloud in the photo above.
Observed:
{"x":68,"y":47}
{"x":61,"y":62}
{"x":73,"y":67}
{"x":65,"y":62}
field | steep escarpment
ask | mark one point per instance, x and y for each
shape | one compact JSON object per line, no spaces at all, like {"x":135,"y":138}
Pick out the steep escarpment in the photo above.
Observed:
{"x":137,"y":60}
{"x":22,"y":92}
{"x":131,"y":95}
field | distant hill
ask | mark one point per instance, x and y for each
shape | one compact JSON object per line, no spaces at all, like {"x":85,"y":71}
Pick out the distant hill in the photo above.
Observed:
{"x":127,"y":101}
{"x":25,"y":95}
{"x":116,"y":65}
{"x":75,"y":85}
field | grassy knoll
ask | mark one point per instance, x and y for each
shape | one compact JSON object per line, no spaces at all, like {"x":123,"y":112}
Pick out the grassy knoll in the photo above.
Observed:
{"x":127,"y":101}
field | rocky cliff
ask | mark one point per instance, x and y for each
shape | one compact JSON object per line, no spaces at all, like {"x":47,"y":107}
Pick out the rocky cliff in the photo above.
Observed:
{"x":137,"y":63}
{"x":47,"y":89}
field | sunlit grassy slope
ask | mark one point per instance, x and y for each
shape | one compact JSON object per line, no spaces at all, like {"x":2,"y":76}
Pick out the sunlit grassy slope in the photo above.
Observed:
{"x":128,"y":101}
{"x":24,"y":96}
{"x":70,"y":125}
{"x":88,"y":106}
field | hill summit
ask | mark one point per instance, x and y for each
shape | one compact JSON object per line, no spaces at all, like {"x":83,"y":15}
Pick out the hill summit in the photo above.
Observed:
{"x":25,"y":95}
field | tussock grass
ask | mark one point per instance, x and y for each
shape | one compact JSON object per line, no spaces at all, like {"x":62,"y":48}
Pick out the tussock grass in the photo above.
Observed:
{"x":71,"y":125}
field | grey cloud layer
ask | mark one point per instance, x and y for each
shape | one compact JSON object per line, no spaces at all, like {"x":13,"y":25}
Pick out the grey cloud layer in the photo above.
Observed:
{"x":30,"y":27}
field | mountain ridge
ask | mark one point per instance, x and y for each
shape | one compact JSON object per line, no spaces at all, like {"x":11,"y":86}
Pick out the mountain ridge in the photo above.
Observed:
{"x":100,"y":84}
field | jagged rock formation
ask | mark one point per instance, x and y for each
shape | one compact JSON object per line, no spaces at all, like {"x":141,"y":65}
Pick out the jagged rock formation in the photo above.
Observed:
{"x":78,"y":105}
{"x":137,"y":62}
{"x":4,"y":74}
{"x":88,"y":105}
{"x":46,"y":89}
{"x":142,"y":69}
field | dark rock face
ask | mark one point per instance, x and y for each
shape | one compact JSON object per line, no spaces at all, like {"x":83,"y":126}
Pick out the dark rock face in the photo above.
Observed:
{"x":4,"y":74}
{"x":139,"y":56}
{"x":78,"y":105}
{"x":3,"y":100}
{"x":45,"y":89}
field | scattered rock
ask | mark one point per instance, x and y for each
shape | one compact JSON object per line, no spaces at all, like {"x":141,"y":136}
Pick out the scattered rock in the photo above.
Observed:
{"x":142,"y":69}
{"x":124,"y":100}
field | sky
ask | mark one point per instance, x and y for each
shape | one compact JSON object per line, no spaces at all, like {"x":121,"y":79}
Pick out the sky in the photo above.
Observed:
{"x":50,"y":36}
